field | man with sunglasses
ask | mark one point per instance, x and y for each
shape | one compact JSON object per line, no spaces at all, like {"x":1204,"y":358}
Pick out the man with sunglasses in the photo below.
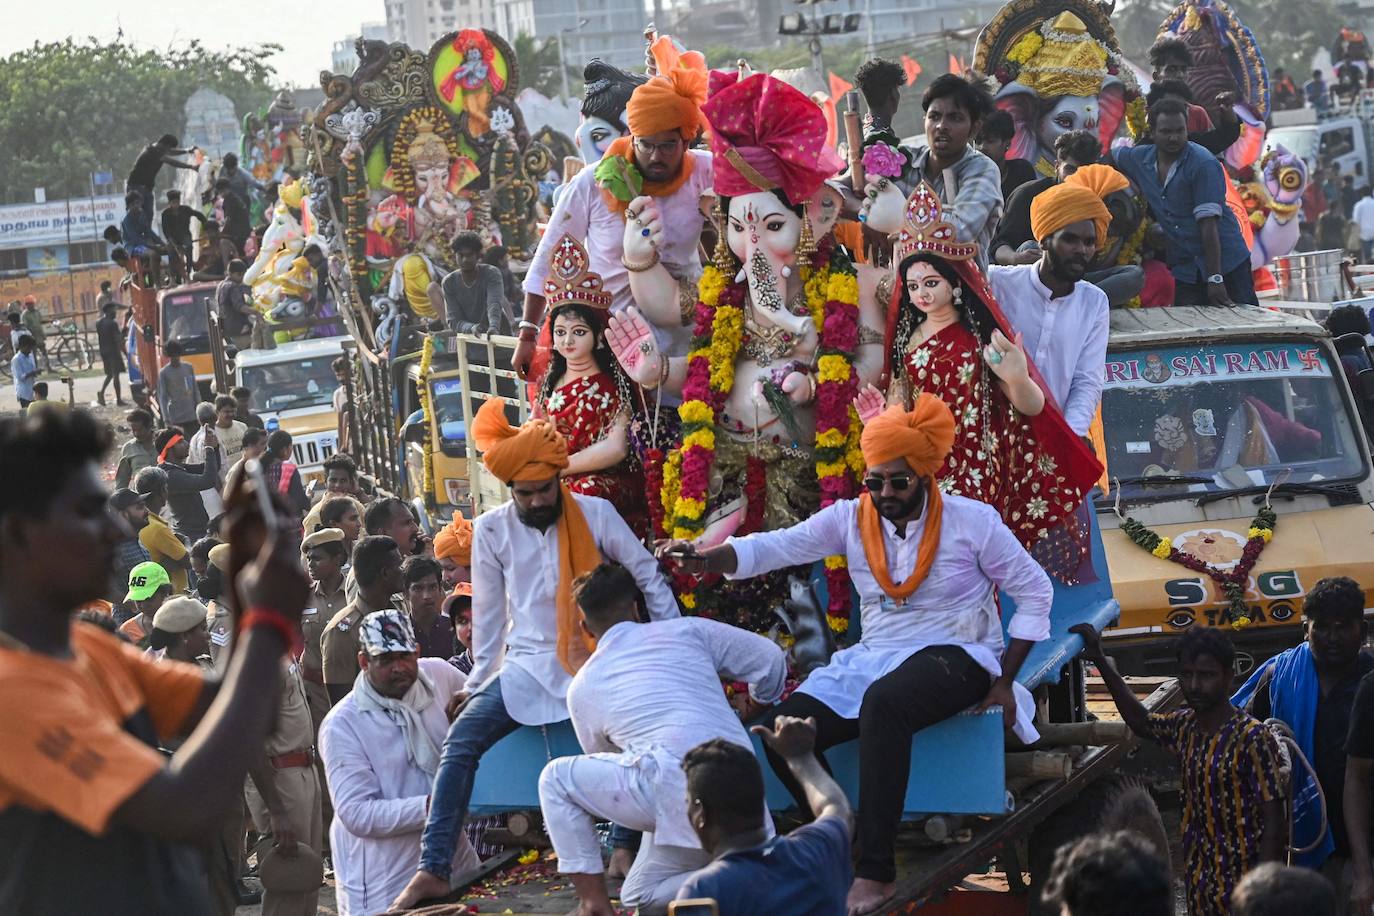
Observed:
{"x":654,"y":162}
{"x":927,"y":567}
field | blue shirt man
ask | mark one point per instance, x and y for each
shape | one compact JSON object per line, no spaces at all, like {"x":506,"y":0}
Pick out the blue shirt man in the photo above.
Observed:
{"x":137,"y":227}
{"x":1185,"y":187}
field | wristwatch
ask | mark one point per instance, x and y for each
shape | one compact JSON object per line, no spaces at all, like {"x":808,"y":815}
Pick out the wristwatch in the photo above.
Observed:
{"x":1217,"y":279}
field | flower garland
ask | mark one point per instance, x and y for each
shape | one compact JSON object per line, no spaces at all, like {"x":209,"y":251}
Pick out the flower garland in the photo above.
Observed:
{"x":1130,"y":250}
{"x":1232,"y":583}
{"x":653,"y":484}
{"x":832,"y":296}
{"x":422,"y":395}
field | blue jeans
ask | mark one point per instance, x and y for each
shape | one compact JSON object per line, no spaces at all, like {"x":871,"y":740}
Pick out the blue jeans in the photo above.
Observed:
{"x":483,"y":722}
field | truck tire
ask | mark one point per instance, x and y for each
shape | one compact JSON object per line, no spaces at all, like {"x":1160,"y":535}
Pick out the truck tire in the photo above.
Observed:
{"x":1109,"y":805}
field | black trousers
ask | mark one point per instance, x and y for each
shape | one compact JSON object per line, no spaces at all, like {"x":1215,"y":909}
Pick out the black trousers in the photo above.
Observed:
{"x":930,"y":686}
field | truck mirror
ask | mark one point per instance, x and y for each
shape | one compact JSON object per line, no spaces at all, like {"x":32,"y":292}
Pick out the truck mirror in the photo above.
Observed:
{"x":230,"y":351}
{"x":148,"y":334}
{"x":415,"y":433}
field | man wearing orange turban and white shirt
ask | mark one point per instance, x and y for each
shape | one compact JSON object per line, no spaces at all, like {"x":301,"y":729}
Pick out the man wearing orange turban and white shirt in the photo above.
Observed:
{"x":527,"y":641}
{"x":1061,"y":316}
{"x":927,"y":567}
{"x":654,"y":162}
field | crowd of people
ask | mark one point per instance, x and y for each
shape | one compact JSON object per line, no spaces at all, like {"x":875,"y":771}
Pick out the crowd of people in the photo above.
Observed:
{"x":357,"y":670}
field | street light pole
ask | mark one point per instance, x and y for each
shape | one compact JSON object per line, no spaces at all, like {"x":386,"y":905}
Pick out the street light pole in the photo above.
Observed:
{"x":563,"y":64}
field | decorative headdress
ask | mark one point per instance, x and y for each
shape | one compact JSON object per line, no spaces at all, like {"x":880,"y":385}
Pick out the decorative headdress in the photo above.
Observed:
{"x":428,"y":150}
{"x":924,"y":231}
{"x":570,"y":281}
{"x":766,"y":135}
{"x":1066,"y":59}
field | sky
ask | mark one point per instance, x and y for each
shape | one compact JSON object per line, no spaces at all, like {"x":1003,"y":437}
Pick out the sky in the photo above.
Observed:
{"x":307,"y":31}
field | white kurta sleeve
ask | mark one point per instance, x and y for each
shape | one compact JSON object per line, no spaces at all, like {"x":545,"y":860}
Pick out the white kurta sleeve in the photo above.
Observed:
{"x":357,"y":795}
{"x":743,"y":656}
{"x":1015,"y":572}
{"x":618,"y":543}
{"x":814,"y":539}
{"x":490,"y":612}
{"x":1085,"y":388}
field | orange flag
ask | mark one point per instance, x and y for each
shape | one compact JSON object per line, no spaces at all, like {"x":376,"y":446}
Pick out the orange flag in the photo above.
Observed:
{"x":911,"y":68}
{"x":838,"y":87}
{"x":954,"y":66}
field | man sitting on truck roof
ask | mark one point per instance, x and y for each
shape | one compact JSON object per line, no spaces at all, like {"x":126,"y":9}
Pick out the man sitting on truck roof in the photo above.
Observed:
{"x":924,"y":565}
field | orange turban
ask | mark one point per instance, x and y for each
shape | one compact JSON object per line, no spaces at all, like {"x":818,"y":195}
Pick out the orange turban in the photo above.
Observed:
{"x":455,"y":541}
{"x":923,"y":435}
{"x":1100,"y":179}
{"x":535,"y":451}
{"x":671,"y":101}
{"x":1066,"y":204}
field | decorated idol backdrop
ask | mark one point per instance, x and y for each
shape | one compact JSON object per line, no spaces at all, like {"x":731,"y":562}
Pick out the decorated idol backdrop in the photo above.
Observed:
{"x":1058,"y":67}
{"x":415,"y":148}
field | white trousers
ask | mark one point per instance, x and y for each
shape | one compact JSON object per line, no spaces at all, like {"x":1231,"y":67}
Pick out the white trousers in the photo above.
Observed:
{"x":575,"y":792}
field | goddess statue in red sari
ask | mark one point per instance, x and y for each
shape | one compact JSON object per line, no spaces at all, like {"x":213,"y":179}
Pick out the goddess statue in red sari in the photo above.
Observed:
{"x":947,"y":335}
{"x":584,"y":392}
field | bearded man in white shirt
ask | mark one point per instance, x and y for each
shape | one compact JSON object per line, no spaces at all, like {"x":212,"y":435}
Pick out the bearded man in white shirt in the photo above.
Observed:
{"x":927,"y":567}
{"x":527,"y":641}
{"x":380,"y":746}
{"x":1062,"y":317}
{"x":636,"y":718}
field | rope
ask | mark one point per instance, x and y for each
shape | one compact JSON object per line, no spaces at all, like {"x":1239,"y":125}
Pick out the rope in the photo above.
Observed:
{"x":1289,"y":745}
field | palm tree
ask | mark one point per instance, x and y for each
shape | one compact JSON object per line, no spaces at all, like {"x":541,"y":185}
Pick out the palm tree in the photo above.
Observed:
{"x":539,"y":63}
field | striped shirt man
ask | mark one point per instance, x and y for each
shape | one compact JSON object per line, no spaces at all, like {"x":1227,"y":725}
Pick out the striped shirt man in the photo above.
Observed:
{"x":1226,"y":777}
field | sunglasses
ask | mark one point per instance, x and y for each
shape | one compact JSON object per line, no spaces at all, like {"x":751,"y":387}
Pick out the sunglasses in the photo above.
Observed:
{"x":900,"y":483}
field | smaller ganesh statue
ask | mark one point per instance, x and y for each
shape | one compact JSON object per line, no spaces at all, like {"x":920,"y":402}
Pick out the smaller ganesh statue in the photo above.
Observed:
{"x":583,"y":390}
{"x":476,"y":78}
{"x":1058,"y":68}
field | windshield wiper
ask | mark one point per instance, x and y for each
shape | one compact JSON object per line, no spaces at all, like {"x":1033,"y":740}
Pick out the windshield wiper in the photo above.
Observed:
{"x":1161,"y":480}
{"x":1316,"y":489}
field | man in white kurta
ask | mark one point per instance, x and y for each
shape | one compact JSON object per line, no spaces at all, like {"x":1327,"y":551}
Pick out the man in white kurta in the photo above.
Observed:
{"x":380,"y":747}
{"x":649,"y":693}
{"x":923,"y":656}
{"x":521,"y":596}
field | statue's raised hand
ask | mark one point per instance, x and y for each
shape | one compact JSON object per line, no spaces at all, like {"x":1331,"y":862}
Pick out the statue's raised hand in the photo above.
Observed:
{"x":643,"y":231}
{"x":631,"y":339}
{"x":868,"y":403}
{"x":883,"y":206}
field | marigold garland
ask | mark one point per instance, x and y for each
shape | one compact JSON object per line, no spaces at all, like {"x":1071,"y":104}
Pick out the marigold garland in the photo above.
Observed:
{"x":831,"y":288}
{"x":422,"y":396}
{"x":1232,"y":583}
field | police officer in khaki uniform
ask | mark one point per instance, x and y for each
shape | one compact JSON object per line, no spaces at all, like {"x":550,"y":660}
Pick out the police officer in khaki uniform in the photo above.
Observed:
{"x":287,"y":803}
{"x":218,"y":616}
{"x":377,"y":568}
{"x":325,"y":558}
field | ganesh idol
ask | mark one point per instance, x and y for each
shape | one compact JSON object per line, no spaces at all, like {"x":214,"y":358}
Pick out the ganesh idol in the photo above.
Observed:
{"x":1056,"y":74}
{"x":946,"y":335}
{"x":786,"y":329}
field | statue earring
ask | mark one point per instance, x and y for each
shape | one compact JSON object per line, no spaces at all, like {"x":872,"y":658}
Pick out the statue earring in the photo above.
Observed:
{"x":723,"y":257}
{"x":958,"y":297}
{"x":806,"y":242}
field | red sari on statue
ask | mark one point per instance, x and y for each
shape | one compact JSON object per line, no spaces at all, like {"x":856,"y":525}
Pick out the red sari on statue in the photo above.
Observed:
{"x":1033,"y":470}
{"x":584,"y":411}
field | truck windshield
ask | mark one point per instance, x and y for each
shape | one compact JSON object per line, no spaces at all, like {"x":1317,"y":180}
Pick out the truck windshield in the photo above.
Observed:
{"x":448,"y":409}
{"x":1225,"y":416}
{"x":183,"y":314}
{"x":1301,"y":141}
{"x":291,"y":385}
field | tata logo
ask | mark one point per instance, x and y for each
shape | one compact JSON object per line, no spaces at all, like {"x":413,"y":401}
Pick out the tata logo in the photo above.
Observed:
{"x":1274,"y":595}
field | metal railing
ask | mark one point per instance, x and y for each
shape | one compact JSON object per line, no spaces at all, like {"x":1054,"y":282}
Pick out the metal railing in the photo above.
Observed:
{"x":484,"y":366}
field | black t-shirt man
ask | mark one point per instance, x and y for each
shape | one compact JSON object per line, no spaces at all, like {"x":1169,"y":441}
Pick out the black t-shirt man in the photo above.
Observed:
{"x":147,"y":165}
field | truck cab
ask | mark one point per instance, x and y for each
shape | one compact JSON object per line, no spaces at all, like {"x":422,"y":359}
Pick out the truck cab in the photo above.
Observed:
{"x":293,"y":389}
{"x":1207,"y":412}
{"x":1342,"y":140}
{"x":182,"y":317}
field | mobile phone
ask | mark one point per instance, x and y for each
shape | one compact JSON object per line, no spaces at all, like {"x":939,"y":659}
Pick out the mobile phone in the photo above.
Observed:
{"x":253,"y":468}
{"x":697,"y":906}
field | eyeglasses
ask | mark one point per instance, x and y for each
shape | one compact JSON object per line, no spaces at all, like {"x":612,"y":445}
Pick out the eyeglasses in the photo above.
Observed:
{"x":647,"y":149}
{"x":900,"y":483}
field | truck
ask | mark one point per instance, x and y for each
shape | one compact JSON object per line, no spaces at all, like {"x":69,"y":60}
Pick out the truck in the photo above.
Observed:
{"x":1344,"y":136}
{"x":293,"y":389}
{"x":1207,"y":414}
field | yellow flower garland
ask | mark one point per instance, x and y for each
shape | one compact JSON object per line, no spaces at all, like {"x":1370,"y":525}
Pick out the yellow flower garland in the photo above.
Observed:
{"x":422,"y":395}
